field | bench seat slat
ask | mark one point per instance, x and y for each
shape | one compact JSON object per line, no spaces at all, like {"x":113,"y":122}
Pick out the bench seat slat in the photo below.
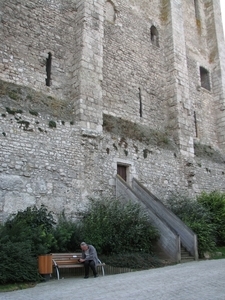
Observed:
{"x":70,"y":266}
{"x":66,"y":262}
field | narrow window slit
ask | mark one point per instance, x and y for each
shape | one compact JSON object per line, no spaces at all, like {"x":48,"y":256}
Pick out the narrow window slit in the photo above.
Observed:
{"x":196,"y":124}
{"x":48,"y":69}
{"x":140,"y":102}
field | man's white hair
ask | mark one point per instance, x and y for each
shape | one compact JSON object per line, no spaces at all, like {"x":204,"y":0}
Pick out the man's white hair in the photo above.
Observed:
{"x":83,"y":244}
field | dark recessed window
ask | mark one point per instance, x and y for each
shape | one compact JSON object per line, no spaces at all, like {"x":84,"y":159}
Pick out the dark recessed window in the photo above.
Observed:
{"x":140,"y":102}
{"x":48,"y":69}
{"x":205,"y":81}
{"x":154,"y":36}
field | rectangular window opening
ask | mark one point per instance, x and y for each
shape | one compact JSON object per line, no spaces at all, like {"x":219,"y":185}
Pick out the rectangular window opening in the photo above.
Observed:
{"x":205,"y":81}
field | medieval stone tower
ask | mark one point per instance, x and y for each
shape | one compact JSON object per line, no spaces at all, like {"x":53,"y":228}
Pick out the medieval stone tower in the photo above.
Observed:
{"x":92,"y":88}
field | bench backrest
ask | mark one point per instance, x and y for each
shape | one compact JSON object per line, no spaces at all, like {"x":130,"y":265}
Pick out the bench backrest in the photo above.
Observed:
{"x":69,"y":257}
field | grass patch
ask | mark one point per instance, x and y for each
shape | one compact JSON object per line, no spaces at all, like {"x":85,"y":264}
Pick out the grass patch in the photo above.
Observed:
{"x":142,"y":133}
{"x":219,"y":253}
{"x":207,"y":152}
{"x":13,"y":95}
{"x":15,"y":286}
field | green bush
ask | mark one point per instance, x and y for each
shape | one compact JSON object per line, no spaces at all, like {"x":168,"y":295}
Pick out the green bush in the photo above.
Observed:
{"x":198,"y":218}
{"x":115,"y":227}
{"x":23,"y":237}
{"x":17,"y":263}
{"x":66,"y":234}
{"x":215,"y":203}
{"x":33,"y":225}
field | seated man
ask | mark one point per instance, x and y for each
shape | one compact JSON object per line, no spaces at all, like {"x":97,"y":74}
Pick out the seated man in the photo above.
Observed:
{"x":89,"y":258}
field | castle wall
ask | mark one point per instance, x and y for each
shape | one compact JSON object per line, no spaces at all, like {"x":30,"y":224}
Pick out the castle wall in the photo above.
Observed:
{"x":61,"y":166}
{"x":179,"y":102}
{"x":218,"y":77}
{"x":202,"y":31}
{"x":32,"y":29}
{"x":203,"y":116}
{"x":107,"y":60}
{"x":134,"y":69}
{"x":88,"y":107}
{"x":71,"y":32}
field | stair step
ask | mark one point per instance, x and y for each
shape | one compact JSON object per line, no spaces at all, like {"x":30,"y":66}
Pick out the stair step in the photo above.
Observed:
{"x":185,"y":255}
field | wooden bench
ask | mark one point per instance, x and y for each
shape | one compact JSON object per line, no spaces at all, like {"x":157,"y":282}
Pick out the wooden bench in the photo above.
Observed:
{"x":70,"y":260}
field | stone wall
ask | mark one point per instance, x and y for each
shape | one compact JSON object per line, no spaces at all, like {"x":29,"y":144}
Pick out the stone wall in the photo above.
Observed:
{"x":163,"y":81}
{"x":134,"y":61}
{"x":32,"y":29}
{"x":134,"y":70}
{"x":60,"y":166}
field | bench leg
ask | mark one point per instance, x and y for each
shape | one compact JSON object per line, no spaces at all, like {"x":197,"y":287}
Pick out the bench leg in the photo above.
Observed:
{"x":57,"y":272}
{"x":103,"y":271}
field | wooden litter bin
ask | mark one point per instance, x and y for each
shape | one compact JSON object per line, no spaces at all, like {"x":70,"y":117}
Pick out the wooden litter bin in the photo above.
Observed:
{"x":45,"y":265}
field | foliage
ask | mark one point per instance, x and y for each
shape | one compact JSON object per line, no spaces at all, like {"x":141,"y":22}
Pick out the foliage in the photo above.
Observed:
{"x":15,"y":98}
{"x":117,"y":227}
{"x":13,"y":111}
{"x":206,"y":151}
{"x":52,"y":124}
{"x":219,"y":253}
{"x":23,"y":237}
{"x":33,"y":225}
{"x":142,"y":133}
{"x":66,"y":234}
{"x":215,"y":203}
{"x":198,"y":218}
{"x":17,"y":263}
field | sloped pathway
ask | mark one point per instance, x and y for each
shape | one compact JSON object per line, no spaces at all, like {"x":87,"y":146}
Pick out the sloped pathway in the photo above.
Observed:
{"x":201,"y":280}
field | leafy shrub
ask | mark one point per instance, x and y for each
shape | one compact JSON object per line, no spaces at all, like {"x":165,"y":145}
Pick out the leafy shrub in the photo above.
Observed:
{"x":215,"y":203}
{"x":33,"y":225}
{"x":17,"y":263}
{"x":115,"y":227}
{"x":198,"y":218}
{"x":23,"y":237}
{"x":66,"y":234}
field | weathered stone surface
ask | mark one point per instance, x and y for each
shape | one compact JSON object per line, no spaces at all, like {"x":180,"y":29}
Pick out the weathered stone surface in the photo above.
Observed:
{"x":136,"y":61}
{"x":15,"y":201}
{"x":11,"y":182}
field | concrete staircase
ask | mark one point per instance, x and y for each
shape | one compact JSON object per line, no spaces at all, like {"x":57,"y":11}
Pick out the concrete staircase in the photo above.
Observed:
{"x":176,"y":240}
{"x":185,"y":255}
